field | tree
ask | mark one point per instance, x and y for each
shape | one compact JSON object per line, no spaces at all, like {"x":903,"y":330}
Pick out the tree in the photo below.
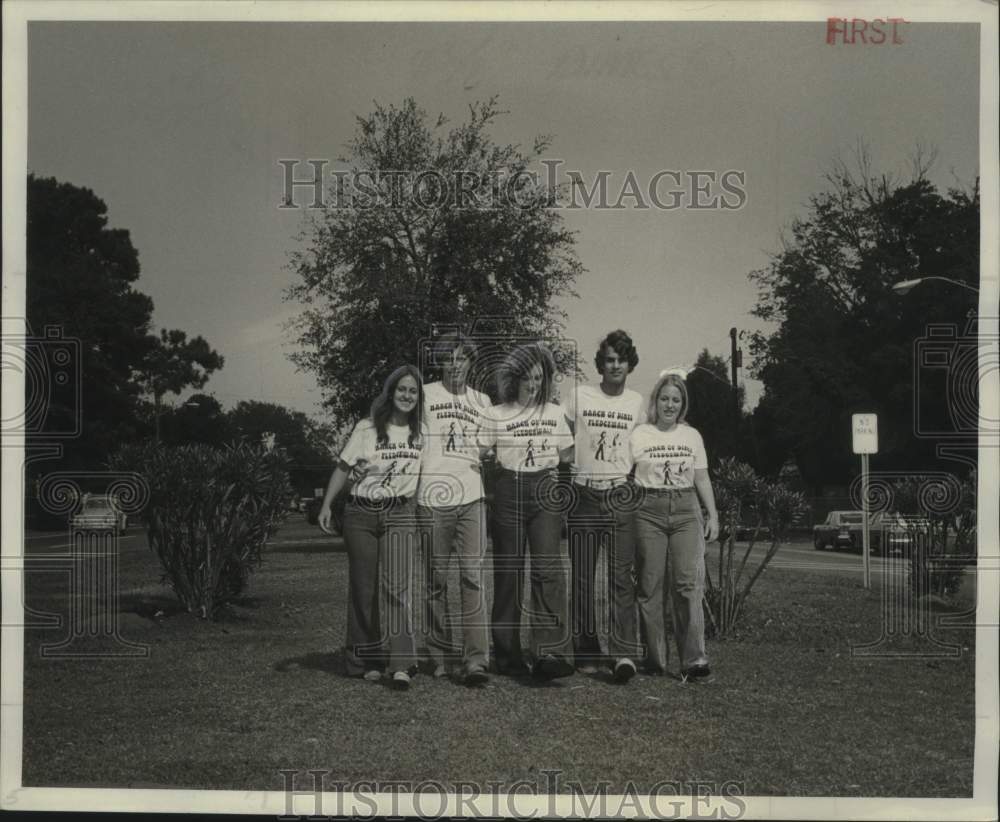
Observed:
{"x":310,"y":445}
{"x":199,"y":419}
{"x":173,"y":363}
{"x":450,"y":227}
{"x":845,"y":341}
{"x":80,"y":286}
{"x":713,"y":410}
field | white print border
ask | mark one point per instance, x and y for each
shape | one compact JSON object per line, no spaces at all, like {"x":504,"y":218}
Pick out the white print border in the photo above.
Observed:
{"x":15,"y":17}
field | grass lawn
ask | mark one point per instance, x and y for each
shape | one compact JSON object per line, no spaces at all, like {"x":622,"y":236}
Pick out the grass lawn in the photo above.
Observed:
{"x":230,"y":703}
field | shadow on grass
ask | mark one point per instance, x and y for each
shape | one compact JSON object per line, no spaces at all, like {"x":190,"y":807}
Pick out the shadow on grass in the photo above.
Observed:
{"x":312,"y":546}
{"x":151,"y":606}
{"x":332,"y":663}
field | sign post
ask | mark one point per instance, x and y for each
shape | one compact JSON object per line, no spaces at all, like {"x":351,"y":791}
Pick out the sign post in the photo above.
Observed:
{"x":865,"y":440}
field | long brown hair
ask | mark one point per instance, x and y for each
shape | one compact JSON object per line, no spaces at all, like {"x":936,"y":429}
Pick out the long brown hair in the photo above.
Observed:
{"x":382,"y":406}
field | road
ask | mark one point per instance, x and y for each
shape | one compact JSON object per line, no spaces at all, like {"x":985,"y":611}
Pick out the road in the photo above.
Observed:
{"x":296,"y":533}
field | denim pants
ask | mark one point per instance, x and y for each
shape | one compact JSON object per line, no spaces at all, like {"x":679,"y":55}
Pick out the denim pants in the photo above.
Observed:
{"x":670,"y":553}
{"x":381,"y":544}
{"x":527,"y":515}
{"x":603,"y":518}
{"x":462,"y":528}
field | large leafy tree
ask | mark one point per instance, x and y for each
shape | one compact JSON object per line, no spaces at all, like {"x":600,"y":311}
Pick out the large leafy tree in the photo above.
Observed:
{"x":845,"y":342}
{"x":80,"y":286}
{"x":459,"y":230}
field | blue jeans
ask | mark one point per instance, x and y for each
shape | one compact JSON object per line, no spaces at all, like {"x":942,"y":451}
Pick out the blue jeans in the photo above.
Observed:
{"x":670,"y":532}
{"x":461,"y":528}
{"x":381,"y":545}
{"x":603,"y":517}
{"x":526,"y":515}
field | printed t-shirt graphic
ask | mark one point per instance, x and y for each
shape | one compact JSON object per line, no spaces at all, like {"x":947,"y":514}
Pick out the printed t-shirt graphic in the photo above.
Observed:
{"x":450,"y":471}
{"x":603,"y":425}
{"x":667,"y":459}
{"x":394,"y":464}
{"x":526,"y":439}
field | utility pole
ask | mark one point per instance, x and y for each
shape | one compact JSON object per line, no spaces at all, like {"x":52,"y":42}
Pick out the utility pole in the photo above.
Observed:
{"x":735,"y":361}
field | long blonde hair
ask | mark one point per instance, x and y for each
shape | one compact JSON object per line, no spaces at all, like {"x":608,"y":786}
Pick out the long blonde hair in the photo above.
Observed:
{"x":653,"y":411}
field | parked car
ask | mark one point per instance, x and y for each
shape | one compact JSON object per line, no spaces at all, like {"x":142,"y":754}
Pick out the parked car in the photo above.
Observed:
{"x":842,"y":529}
{"x":99,"y":512}
{"x":888,"y":533}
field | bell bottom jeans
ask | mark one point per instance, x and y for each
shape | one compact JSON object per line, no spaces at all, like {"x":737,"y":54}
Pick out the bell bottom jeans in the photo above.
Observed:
{"x":670,"y":560}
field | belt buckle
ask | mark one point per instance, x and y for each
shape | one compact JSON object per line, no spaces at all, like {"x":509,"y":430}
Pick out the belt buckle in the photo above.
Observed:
{"x":605,"y":484}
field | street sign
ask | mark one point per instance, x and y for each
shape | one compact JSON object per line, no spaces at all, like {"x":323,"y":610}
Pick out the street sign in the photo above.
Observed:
{"x":865,"y":430}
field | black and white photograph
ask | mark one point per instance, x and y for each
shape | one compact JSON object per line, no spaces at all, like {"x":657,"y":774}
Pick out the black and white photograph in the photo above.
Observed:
{"x":504,"y":409}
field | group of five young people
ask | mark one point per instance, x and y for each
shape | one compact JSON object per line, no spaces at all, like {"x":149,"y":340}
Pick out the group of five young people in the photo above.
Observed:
{"x":639,"y":482}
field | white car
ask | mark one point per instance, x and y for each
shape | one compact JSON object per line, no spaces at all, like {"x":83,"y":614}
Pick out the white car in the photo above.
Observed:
{"x":99,"y":513}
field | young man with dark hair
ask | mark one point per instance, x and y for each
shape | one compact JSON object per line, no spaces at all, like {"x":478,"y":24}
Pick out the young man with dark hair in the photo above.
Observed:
{"x":602,"y":418}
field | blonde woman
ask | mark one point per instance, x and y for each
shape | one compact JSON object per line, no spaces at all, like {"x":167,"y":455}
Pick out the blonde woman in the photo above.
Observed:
{"x":671,"y":468}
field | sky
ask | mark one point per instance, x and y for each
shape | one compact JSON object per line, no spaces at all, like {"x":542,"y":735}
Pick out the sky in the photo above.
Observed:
{"x":179,"y":127}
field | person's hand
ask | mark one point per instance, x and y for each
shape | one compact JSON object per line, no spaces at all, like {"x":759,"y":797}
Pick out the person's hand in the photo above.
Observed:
{"x":360,"y":470}
{"x":323,"y":518}
{"x":712,"y":528}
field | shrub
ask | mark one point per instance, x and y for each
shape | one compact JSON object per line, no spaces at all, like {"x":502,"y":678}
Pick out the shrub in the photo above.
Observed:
{"x":938,"y":505}
{"x":209,"y":514}
{"x":770,"y":508}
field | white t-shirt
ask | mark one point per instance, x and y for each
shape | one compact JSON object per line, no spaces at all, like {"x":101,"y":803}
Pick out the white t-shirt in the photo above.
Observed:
{"x":395,"y":464}
{"x":450,"y":473}
{"x":603,"y":425}
{"x":667,"y":459}
{"x":526,"y":439}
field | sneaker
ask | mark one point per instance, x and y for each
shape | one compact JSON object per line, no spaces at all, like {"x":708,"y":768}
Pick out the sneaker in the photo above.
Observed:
{"x":515,"y":669}
{"x":440,"y":672}
{"x":698,"y":674}
{"x":372,"y":675}
{"x":550,"y":667}
{"x":476,"y":675}
{"x":400,"y":680}
{"x":624,"y":670}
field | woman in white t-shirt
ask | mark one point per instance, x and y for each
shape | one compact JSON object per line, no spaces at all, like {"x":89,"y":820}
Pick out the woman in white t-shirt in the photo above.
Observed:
{"x":671,"y":470}
{"x":531,"y":437}
{"x":380,"y":528}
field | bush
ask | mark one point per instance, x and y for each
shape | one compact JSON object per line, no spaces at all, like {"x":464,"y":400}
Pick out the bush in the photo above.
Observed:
{"x":771,"y":509}
{"x":209,"y":514}
{"x":939,"y":505}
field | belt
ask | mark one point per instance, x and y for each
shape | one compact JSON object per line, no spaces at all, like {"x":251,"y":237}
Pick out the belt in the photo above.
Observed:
{"x":541,"y":472}
{"x":377,"y":503}
{"x":602,"y":484}
{"x":661,"y":492}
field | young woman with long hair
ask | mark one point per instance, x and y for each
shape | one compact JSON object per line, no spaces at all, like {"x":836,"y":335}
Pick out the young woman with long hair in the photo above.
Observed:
{"x":384,"y":454}
{"x":531,"y":437}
